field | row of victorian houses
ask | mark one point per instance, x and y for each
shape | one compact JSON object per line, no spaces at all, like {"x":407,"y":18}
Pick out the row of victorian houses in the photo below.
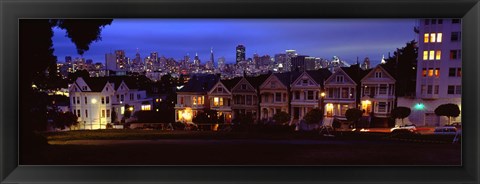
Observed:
{"x":95,"y":100}
{"x":296,"y":93}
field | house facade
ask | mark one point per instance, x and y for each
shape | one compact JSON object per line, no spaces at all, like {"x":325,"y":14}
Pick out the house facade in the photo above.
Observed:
{"x":193,"y":97}
{"x":305,"y":93}
{"x":95,"y":100}
{"x":245,"y":99}
{"x":378,"y":94}
{"x":220,"y":98}
{"x":340,"y":94}
{"x":275,"y":95}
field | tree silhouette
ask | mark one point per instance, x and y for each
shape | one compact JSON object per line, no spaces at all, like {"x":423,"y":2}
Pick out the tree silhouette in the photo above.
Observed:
{"x":404,"y":64}
{"x":314,"y":116}
{"x":281,"y":118}
{"x":353,"y":115}
{"x":400,"y":112}
{"x":38,"y":65}
{"x":449,"y":110}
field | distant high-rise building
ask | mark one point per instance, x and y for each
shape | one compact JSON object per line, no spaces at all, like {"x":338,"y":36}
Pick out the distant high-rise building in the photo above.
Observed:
{"x":240,"y":53}
{"x":110,"y":62}
{"x":121,"y":59}
{"x":290,"y":54}
{"x":310,"y":63}
{"x":221,"y":63}
{"x":196,"y":60}
{"x":137,"y":59}
{"x":89,"y":61}
{"x":154,"y":57}
{"x":298,"y":63}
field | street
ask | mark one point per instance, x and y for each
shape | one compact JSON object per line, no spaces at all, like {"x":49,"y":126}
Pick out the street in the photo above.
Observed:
{"x":245,"y":152}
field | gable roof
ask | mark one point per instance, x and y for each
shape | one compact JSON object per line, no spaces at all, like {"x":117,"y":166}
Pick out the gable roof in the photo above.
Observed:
{"x":355,"y":72}
{"x":319,"y":75}
{"x":96,"y":84}
{"x":381,"y":68}
{"x":257,"y":80}
{"x":389,"y":70}
{"x":288,"y":77}
{"x":200,"y":83}
{"x":230,"y":83}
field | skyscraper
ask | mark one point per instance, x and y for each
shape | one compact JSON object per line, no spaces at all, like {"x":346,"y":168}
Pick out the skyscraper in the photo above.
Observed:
{"x":154,"y":57}
{"x":121,"y":60}
{"x":298,"y":63}
{"x":240,"y":53}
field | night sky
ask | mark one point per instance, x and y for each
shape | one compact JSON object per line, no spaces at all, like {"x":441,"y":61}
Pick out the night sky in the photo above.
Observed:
{"x":174,"y":38}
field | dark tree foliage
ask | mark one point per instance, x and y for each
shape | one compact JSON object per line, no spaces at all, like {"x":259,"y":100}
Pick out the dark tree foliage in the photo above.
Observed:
{"x":404,"y":64}
{"x":449,"y":110}
{"x":314,"y":116}
{"x":66,"y":119}
{"x":243,"y":119}
{"x":400,"y":112}
{"x":353,"y":115}
{"x":127,"y":113}
{"x":83,"y":32}
{"x":208,"y":116}
{"x":281,"y":118}
{"x":38,"y":65}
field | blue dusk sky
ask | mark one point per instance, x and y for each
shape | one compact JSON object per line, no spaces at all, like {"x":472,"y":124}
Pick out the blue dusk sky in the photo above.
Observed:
{"x":174,"y":38}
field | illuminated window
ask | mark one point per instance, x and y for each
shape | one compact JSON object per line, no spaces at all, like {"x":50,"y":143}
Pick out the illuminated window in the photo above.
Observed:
{"x":437,"y":72}
{"x":221,"y":102}
{"x":439,"y":37}
{"x":424,"y":72}
{"x":438,"y":55}
{"x":194,"y":100}
{"x":431,"y":55}
{"x":425,"y":55}
{"x":216,"y":101}
{"x":425,"y":38}
{"x":146,"y":107}
{"x":122,"y":110}
{"x":432,"y":37}
{"x":200,"y":100}
{"x":430,"y":72}
{"x":459,"y":72}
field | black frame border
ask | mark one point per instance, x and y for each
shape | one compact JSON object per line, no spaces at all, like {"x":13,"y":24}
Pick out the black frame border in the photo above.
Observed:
{"x":12,"y":10}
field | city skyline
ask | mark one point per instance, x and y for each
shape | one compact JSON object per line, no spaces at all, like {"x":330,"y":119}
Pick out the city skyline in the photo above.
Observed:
{"x":175,"y":38}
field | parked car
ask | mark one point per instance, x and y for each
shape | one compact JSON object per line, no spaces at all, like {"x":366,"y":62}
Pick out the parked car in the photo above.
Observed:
{"x":446,"y":130}
{"x":456,"y":125}
{"x":406,"y":128}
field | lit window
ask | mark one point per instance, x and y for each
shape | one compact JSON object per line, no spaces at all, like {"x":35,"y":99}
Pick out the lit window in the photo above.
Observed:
{"x":437,"y":72}
{"x":439,"y":37}
{"x":459,"y":72}
{"x":430,"y":72}
{"x":438,"y":55}
{"x":425,"y":55}
{"x":216,"y":101}
{"x":424,"y":72}
{"x":432,"y":37}
{"x":431,"y":55}
{"x":146,"y":107}
{"x":425,"y":38}
{"x":122,"y":110}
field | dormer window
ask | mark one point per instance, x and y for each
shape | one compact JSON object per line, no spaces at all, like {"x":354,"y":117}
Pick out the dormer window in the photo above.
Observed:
{"x":84,"y":88}
{"x":305,"y":82}
{"x":273,"y":84}
{"x":220,"y":89}
{"x":378,"y":74}
{"x":106,"y":89}
{"x":339,"y":78}
{"x":244,"y":86}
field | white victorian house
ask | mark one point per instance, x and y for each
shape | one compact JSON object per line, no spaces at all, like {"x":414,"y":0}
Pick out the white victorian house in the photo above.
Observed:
{"x":378,"y":93}
{"x":93,"y":100}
